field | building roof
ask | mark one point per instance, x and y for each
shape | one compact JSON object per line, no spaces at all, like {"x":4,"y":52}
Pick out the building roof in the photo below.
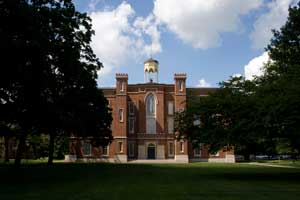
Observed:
{"x":151,"y":60}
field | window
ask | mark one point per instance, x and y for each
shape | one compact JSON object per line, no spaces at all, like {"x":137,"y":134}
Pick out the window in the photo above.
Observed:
{"x":170,"y":108}
{"x":180,"y":109}
{"x":150,"y":114}
{"x":131,"y":108}
{"x":216,"y":154}
{"x":170,"y":125}
{"x":180,"y":84}
{"x":120,"y":147}
{"x":131,"y":125}
{"x":197,"y":151}
{"x":150,"y":104}
{"x":121,"y":86}
{"x":181,"y":147}
{"x":131,"y":149}
{"x":197,"y":120}
{"x":121,"y":115}
{"x":151,"y":126}
{"x":171,"y":149}
{"x":105,"y":150}
{"x":87,"y":149}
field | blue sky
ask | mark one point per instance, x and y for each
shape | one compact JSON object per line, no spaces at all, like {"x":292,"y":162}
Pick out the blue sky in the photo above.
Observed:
{"x":209,"y":40}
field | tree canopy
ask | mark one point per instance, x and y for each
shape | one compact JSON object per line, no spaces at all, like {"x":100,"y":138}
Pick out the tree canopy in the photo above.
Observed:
{"x":48,"y":79}
{"x":258,"y":116}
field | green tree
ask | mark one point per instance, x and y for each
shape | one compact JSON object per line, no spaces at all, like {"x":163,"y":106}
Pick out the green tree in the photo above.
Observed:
{"x":279,"y":91}
{"x":50,"y":71}
{"x":260,"y":116}
{"x":227,"y":118}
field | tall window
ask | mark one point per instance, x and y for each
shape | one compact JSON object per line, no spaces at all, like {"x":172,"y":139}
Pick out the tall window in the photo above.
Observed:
{"x":180,"y":84}
{"x":170,"y":108}
{"x":120,"y":147}
{"x":87,"y":149}
{"x":131,"y":108}
{"x":121,"y":115}
{"x":197,"y":151}
{"x":131,"y":149}
{"x":181,"y":145}
{"x":150,"y":104}
{"x":150,"y":114}
{"x":121,"y":86}
{"x":170,"y":125}
{"x":131,"y":125}
{"x":105,"y":150}
{"x":171,"y":148}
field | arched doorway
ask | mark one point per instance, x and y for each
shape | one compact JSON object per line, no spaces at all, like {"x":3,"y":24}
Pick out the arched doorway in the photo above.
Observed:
{"x":151,"y":152}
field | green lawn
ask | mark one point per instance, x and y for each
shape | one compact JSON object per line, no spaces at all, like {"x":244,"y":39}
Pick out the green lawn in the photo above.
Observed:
{"x":292,"y":163}
{"x":136,"y":181}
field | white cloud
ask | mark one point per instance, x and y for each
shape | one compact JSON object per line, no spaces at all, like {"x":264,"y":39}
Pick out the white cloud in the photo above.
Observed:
{"x":200,"y":23}
{"x":148,"y":26}
{"x":202,"y":83}
{"x":273,"y":19}
{"x":92,"y":4}
{"x":236,"y":75}
{"x":120,"y":36}
{"x":255,"y":66}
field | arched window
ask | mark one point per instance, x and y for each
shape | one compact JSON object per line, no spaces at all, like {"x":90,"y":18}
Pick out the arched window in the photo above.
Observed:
{"x":150,"y":103}
{"x":150,"y":114}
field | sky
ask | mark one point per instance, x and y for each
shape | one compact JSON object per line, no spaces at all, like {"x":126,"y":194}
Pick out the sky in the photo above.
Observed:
{"x":209,"y":40}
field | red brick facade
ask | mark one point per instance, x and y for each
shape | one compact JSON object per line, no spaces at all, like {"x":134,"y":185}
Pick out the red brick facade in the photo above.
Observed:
{"x":143,"y":121}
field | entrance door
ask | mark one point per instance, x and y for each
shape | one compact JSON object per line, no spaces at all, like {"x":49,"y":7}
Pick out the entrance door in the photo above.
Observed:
{"x":151,"y":151}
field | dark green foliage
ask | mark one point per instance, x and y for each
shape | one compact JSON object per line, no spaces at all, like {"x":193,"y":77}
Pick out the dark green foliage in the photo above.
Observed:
{"x":37,"y":146}
{"x":48,"y":77}
{"x":227,"y":118}
{"x":279,"y":90}
{"x":256,"y":117}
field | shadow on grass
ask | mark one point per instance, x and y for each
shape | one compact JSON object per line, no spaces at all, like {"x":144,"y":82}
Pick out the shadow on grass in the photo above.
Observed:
{"x":65,"y":171}
{"x":150,"y":181}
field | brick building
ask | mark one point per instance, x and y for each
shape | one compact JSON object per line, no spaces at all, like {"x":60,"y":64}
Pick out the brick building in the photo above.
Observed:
{"x":143,"y":122}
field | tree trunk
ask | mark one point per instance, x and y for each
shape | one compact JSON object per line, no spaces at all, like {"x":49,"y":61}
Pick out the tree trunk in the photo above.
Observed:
{"x":51,"y":150}
{"x":20,"y":150}
{"x":247,"y":156}
{"x":6,"y":146}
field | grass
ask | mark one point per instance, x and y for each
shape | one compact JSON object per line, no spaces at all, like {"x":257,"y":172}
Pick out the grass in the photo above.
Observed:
{"x":292,"y":163}
{"x":145,"y":181}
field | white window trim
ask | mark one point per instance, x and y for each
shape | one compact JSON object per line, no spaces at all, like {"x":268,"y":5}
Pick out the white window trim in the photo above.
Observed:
{"x":121,"y":86}
{"x":180,"y":82}
{"x":107,"y":147}
{"x":121,"y":117}
{"x":171,"y":113}
{"x":151,"y":116}
{"x":168,"y":121}
{"x":120,"y":150}
{"x":171,"y":144}
{"x":181,"y":147}
{"x":216,"y":154}
{"x":200,"y":151}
